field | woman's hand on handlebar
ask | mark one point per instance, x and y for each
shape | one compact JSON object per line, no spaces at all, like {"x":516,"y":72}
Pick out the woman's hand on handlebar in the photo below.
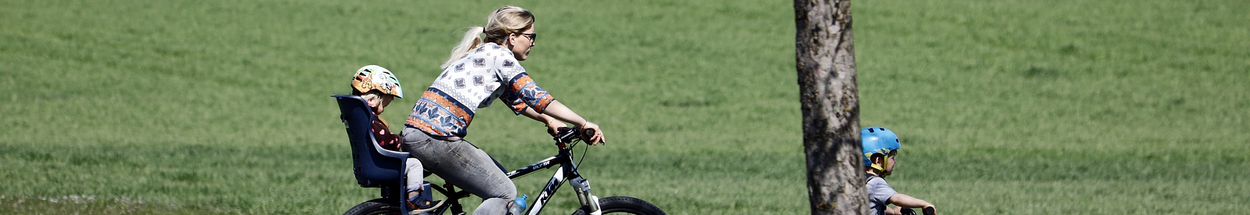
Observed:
{"x":592,"y":134}
{"x":553,"y":127}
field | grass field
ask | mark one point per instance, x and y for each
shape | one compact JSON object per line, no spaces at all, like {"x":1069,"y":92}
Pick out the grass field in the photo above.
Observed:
{"x":1023,"y":107}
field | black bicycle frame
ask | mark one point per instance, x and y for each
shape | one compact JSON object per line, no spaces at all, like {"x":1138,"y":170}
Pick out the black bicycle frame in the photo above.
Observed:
{"x":566,"y":172}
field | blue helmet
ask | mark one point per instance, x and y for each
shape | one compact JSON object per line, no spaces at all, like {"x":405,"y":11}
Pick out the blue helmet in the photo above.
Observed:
{"x":878,"y":140}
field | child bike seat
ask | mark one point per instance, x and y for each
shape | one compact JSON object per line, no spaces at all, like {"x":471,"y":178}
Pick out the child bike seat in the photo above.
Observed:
{"x":373,"y":165}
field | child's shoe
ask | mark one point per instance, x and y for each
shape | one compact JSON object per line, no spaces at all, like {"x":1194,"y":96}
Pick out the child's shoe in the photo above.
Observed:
{"x":422,"y":203}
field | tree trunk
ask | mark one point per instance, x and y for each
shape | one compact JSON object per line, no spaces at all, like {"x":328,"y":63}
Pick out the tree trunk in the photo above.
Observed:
{"x":826,"y":67}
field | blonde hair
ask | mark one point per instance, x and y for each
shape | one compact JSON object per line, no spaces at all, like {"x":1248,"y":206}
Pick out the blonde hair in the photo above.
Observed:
{"x":504,"y":21}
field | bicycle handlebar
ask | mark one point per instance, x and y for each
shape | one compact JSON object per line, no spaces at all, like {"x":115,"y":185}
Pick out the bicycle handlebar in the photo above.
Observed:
{"x":925,"y":211}
{"x":569,"y":134}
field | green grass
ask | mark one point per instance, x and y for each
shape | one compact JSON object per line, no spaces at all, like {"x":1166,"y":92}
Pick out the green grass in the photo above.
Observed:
{"x":1027,"y":107}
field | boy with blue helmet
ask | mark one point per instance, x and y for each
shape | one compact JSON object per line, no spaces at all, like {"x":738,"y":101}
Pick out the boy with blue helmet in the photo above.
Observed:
{"x":880,"y":146}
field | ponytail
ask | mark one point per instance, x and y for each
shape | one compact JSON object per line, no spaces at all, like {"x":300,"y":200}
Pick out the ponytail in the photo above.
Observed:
{"x":471,"y":39}
{"x":504,"y":21}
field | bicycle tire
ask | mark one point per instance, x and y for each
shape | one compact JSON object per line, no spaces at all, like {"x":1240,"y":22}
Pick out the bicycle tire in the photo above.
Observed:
{"x":372,"y":207}
{"x":623,"y":204}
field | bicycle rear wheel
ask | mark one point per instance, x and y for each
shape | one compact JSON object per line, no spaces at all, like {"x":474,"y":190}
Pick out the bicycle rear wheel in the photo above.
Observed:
{"x":372,"y":207}
{"x":623,"y":205}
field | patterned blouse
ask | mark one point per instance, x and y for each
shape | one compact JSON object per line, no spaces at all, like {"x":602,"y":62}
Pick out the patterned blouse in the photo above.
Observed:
{"x":446,"y":109}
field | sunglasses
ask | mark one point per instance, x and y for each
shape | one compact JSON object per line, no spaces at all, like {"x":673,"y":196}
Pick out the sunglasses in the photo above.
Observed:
{"x":532,"y":36}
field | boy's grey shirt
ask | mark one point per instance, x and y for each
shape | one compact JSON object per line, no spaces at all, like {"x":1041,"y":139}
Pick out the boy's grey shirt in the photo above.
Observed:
{"x":879,"y":193}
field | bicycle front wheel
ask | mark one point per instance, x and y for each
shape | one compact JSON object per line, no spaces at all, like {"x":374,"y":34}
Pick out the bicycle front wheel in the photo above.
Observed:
{"x":623,"y":205}
{"x":371,"y":207}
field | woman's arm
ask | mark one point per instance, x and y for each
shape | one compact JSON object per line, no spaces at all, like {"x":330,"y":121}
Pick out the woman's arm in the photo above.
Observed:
{"x":553,"y":125}
{"x":536,"y":98}
{"x":558,"y":111}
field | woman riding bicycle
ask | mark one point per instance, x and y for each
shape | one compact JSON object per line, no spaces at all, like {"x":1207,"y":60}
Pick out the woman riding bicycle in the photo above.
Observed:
{"x":480,"y":70}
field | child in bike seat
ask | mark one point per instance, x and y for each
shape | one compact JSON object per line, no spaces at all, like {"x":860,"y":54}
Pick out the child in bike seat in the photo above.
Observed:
{"x":378,"y":86}
{"x":880,"y":149}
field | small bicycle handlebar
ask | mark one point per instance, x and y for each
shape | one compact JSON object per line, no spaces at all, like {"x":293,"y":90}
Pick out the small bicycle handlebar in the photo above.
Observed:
{"x":924,"y":211}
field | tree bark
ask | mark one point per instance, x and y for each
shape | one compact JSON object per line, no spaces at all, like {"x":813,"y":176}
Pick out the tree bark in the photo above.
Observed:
{"x":830,"y":103}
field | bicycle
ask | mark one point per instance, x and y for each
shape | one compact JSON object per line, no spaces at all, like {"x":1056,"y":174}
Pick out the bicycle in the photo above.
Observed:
{"x":377,"y":167}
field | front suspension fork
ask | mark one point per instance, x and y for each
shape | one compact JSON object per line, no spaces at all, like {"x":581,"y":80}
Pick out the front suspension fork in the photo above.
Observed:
{"x":582,"y":187}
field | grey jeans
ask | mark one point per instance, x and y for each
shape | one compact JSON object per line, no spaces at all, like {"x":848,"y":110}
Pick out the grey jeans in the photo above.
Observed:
{"x":463,"y":164}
